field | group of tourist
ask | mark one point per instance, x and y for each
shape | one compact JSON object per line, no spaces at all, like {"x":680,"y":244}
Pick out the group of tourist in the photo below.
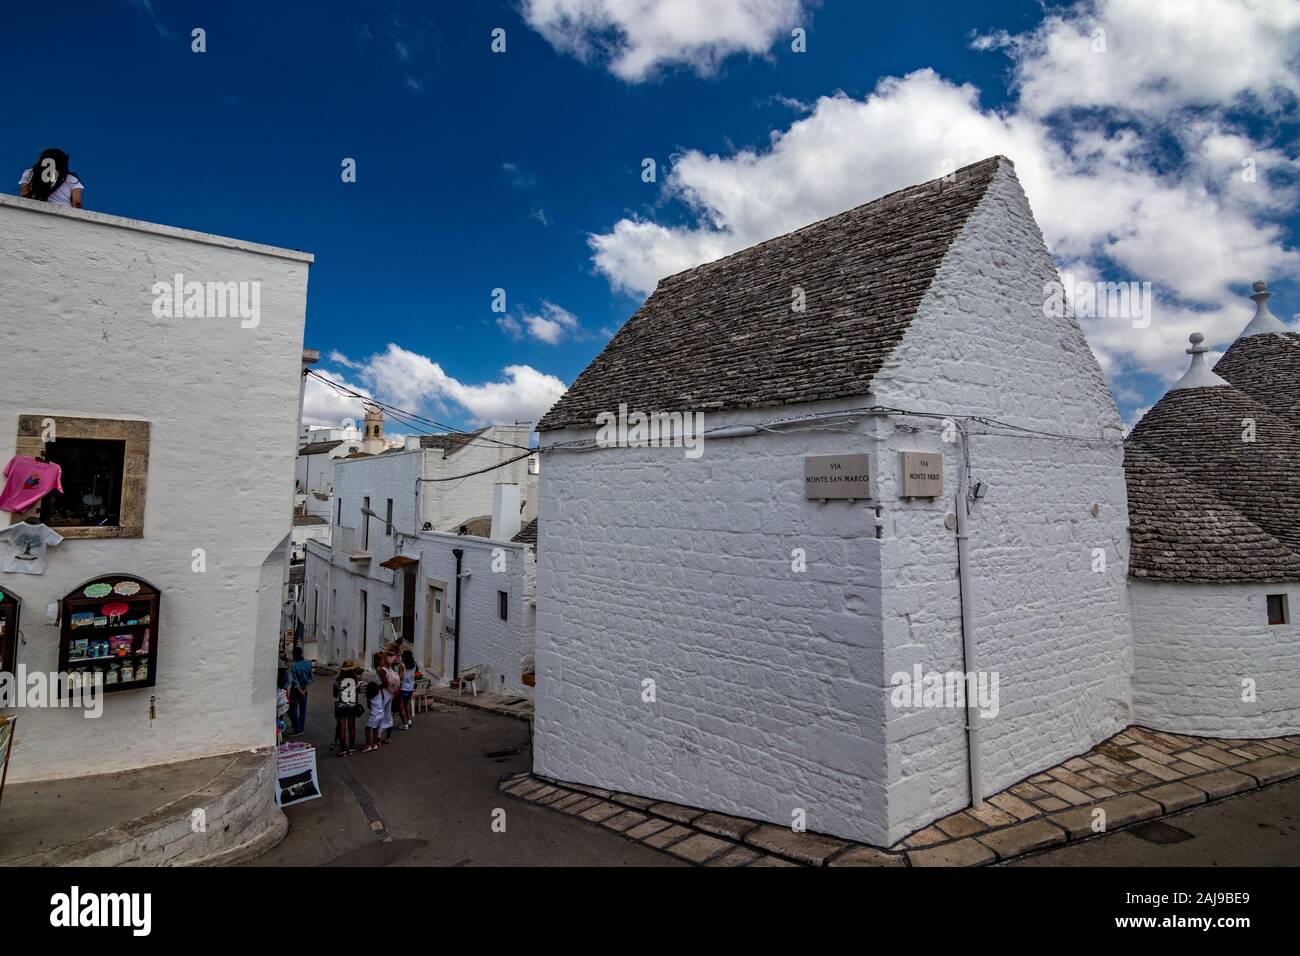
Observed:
{"x":388,"y":695}
{"x":388,"y":688}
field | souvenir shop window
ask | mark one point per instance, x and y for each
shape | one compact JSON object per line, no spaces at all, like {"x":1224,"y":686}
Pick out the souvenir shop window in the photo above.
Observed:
{"x":110,"y":626}
{"x":105,"y":465}
{"x":10,"y":605}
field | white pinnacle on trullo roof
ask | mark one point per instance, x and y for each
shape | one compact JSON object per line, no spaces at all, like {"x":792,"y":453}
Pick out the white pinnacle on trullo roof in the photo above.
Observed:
{"x":1264,"y":320}
{"x":1198,"y":374}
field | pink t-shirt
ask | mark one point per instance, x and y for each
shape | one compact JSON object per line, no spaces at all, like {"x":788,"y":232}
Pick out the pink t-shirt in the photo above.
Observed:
{"x":28,"y":481}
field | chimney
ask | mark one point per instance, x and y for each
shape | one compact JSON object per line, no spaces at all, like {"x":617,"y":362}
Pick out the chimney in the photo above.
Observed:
{"x":1264,"y":320}
{"x":412,"y":442}
{"x":505,"y":512}
{"x":1198,"y":374}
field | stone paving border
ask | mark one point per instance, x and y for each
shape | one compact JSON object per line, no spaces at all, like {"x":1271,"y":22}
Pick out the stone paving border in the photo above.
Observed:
{"x":1137,"y":775}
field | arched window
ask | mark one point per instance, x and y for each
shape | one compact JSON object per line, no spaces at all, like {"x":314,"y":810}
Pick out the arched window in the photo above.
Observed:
{"x":110,"y":626}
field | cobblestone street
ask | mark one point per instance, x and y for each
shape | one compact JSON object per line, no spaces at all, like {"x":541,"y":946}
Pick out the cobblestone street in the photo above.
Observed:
{"x":427,"y":799}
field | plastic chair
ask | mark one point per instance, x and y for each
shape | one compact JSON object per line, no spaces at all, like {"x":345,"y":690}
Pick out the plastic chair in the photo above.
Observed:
{"x":469,"y":675}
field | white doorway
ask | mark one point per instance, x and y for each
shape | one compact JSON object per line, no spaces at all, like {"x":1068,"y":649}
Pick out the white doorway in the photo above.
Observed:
{"x":435,"y":629}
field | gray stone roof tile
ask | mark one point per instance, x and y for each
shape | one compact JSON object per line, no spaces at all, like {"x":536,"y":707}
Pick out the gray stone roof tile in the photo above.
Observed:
{"x":723,"y":335}
{"x":527,"y":534}
{"x":1204,"y":503}
{"x":1266,"y":367}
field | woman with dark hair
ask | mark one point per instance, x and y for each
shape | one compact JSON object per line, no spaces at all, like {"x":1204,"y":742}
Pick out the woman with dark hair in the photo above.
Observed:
{"x":49,"y":180}
{"x":406,"y":688}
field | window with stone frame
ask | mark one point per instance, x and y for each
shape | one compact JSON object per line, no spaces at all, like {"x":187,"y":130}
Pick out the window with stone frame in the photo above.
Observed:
{"x":104,"y":464}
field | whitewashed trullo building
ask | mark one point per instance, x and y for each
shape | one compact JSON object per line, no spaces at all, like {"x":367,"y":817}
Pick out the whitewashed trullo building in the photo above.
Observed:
{"x":725,"y":632}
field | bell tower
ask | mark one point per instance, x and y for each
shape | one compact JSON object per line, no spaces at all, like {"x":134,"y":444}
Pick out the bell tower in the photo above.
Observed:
{"x":372,"y":439}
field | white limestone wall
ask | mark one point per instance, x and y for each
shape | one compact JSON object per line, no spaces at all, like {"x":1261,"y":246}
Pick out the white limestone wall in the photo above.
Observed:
{"x":528,"y":639}
{"x":336,"y":624}
{"x":79,"y":339}
{"x":448,"y":504}
{"x":485,"y":639}
{"x":655,"y":567}
{"x":341,"y":580}
{"x":314,"y":472}
{"x":772,"y":687}
{"x":1054,"y":630}
{"x":1202,"y":651}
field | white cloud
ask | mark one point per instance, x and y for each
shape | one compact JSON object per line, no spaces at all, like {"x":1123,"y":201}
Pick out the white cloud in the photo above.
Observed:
{"x":322,"y":405}
{"x":550,"y":324}
{"x":416,"y":383}
{"x":1155,"y":55}
{"x":1113,"y":198}
{"x":637,"y":37}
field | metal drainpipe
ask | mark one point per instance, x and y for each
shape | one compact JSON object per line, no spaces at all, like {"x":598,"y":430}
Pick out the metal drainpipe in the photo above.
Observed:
{"x":455,"y":654}
{"x":967,"y":624}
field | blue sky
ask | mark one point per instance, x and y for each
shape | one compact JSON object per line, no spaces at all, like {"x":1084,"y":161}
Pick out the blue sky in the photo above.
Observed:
{"x":522,"y":170}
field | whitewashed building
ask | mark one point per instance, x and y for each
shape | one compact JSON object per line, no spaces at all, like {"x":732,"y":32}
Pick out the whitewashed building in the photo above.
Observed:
{"x":1214,"y":494}
{"x":390,"y":569}
{"x":312,"y":434}
{"x":728,"y":631}
{"x":318,"y":449}
{"x":131,"y":390}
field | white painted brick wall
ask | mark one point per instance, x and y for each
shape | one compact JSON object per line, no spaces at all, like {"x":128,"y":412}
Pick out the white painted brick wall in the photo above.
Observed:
{"x":1194,"y":645}
{"x":654,"y":566}
{"x":1056,"y":632}
{"x":485,"y":639}
{"x":772,"y":686}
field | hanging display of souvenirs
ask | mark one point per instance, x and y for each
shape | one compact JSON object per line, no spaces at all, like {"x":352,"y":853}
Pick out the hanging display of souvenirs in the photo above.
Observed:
{"x":113,"y":642}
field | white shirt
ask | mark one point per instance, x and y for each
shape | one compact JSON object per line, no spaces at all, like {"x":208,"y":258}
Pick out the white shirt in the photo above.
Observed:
{"x":61,"y":196}
{"x":25,"y":546}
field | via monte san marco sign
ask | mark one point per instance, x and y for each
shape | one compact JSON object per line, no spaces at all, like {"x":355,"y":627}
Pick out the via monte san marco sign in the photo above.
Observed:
{"x":837,"y":476}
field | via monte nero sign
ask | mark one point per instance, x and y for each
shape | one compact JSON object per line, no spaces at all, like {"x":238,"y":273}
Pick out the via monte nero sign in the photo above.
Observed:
{"x":837,"y":476}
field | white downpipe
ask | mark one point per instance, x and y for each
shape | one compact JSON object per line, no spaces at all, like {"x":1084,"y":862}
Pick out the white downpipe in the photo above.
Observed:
{"x":967,"y":622}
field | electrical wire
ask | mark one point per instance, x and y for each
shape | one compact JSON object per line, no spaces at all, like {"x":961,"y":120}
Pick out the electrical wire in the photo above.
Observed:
{"x":405,"y":416}
{"x":470,"y":474}
{"x":410,"y":419}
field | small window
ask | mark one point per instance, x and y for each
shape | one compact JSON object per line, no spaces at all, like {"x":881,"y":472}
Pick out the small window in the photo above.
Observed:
{"x":503,"y":605}
{"x":338,"y":517}
{"x":92,"y":483}
{"x":365,"y":524}
{"x":1278,"y":610}
{"x":104,"y":464}
{"x":388,"y":518}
